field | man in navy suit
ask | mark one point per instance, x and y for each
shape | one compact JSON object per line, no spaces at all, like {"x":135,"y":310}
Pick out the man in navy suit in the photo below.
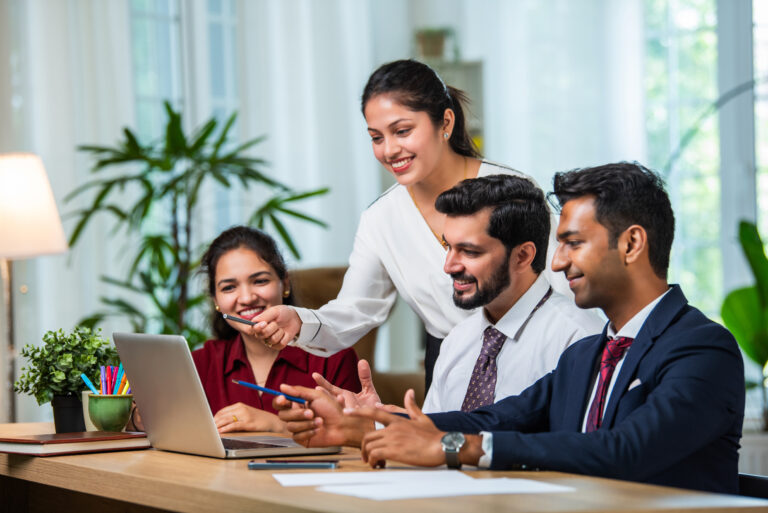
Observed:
{"x":658,"y":397}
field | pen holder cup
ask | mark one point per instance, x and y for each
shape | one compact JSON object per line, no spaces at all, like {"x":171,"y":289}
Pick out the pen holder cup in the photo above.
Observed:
{"x":109,"y":412}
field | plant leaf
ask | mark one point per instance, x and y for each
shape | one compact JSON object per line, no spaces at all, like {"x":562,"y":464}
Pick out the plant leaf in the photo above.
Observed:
{"x":284,"y":235}
{"x":755,"y":254}
{"x":743,"y":315}
{"x":307,"y":194}
{"x":223,"y":135}
{"x":304,"y":217}
{"x":199,"y":139}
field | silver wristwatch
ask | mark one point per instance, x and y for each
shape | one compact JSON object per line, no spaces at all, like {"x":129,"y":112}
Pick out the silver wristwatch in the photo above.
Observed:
{"x":452,"y":443}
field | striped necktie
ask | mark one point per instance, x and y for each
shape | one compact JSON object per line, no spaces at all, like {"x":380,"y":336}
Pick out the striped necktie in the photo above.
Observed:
{"x":614,"y":350}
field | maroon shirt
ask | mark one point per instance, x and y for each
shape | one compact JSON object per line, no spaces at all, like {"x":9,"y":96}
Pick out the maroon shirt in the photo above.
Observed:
{"x":218,"y":362}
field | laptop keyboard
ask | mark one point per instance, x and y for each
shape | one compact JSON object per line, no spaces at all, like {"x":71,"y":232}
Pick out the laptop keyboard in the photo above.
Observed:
{"x":234,"y":443}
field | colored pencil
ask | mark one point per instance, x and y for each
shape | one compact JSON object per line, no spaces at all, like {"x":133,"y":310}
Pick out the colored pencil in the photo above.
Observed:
{"x":103,"y":381}
{"x":110,"y":378}
{"x":118,"y":379}
{"x":89,"y":384}
{"x":269,"y":391}
{"x":121,"y":386}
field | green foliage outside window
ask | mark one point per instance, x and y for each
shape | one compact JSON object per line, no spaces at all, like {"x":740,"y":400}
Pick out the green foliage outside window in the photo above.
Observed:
{"x":680,"y":82}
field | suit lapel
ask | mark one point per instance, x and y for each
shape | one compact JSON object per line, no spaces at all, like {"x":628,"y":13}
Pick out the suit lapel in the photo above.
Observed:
{"x":581,"y":380}
{"x":657,"y":322}
{"x":637,"y":350}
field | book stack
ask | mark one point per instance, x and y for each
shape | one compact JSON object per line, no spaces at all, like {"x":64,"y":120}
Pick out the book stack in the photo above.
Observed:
{"x":73,"y":443}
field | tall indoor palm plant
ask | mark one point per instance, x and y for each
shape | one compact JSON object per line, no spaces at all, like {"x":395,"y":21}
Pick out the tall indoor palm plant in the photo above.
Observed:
{"x":167,"y":177}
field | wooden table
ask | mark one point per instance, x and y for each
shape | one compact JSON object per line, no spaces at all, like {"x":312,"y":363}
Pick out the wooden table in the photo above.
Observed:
{"x":151,"y":480}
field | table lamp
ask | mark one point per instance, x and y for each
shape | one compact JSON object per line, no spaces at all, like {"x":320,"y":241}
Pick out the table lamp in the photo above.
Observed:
{"x":29,"y":226}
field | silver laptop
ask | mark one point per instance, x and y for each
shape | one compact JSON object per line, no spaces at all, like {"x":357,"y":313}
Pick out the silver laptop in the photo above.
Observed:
{"x":173,"y":406}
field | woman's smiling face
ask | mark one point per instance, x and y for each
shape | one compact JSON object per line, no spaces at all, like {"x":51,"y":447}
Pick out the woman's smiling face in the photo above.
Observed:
{"x":406,"y":142}
{"x":245,"y":285}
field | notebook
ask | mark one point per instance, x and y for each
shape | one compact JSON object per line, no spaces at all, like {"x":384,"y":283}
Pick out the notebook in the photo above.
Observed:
{"x":51,"y":444}
{"x":173,"y":406}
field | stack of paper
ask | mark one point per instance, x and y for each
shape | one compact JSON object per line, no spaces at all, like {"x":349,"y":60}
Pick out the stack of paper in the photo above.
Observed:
{"x":404,"y":484}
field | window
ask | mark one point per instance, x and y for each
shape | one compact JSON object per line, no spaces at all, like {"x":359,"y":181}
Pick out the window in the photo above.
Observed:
{"x":224,"y":97}
{"x":222,"y":33}
{"x":157,"y":71}
{"x":760,"y":16}
{"x":681,"y":81}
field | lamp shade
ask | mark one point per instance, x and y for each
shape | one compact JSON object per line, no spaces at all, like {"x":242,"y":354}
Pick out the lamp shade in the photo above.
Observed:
{"x":29,"y":220}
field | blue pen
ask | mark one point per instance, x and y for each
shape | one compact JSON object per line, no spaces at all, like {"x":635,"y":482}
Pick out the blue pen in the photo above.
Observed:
{"x":269,"y":391}
{"x":118,"y":378}
{"x":90,"y":385}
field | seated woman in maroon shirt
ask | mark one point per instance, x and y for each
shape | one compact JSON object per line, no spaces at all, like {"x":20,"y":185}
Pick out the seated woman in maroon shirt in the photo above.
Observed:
{"x":246,"y":274}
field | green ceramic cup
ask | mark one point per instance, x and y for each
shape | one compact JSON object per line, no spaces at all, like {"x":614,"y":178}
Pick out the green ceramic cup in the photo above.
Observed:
{"x":109,"y":412}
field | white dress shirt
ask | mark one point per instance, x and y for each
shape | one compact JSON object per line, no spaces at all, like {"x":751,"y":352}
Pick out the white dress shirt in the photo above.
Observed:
{"x":531,"y":350}
{"x":394,"y":252}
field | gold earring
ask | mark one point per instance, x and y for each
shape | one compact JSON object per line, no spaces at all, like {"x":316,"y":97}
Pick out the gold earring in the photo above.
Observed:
{"x":286,"y":293}
{"x":217,"y":308}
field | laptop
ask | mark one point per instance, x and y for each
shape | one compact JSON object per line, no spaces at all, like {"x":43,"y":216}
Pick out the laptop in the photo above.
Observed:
{"x":173,"y":406}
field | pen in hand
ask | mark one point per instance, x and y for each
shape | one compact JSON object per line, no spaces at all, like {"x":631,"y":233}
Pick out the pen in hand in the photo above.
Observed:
{"x":269,"y":391}
{"x":238,"y":319}
{"x":251,"y":323}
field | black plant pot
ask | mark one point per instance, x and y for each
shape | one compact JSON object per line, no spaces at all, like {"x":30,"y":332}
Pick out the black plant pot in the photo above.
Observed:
{"x":68,"y":413}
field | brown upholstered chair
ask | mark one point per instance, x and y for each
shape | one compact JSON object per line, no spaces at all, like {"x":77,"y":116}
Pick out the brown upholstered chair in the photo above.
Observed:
{"x":313,"y":288}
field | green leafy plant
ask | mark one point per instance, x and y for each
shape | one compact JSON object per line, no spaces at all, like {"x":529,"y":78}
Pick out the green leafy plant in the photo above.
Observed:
{"x":165,"y":180}
{"x":745,"y":310}
{"x":55,"y":367}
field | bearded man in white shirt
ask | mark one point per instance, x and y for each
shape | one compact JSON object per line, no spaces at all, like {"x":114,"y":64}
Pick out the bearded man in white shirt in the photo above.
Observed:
{"x":496,"y":233}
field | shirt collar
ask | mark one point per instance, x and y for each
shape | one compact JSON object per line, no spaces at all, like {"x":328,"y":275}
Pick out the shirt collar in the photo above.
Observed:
{"x":296,"y":357}
{"x":235,"y":354}
{"x":632,"y":328}
{"x":291,"y":355}
{"x":510,"y":322}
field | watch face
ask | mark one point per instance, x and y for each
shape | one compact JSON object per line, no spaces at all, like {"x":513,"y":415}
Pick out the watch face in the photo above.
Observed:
{"x":453,"y":440}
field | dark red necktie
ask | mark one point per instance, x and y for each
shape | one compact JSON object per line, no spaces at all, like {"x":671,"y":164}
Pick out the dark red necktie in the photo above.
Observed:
{"x":614,"y":349}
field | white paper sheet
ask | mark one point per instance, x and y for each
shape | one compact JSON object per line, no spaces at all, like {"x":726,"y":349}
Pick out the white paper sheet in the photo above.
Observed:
{"x":374,"y":477}
{"x":437,"y":487}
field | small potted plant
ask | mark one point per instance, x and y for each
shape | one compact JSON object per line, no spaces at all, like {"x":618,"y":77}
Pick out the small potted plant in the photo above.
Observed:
{"x":52,"y":373}
{"x":431,"y":42}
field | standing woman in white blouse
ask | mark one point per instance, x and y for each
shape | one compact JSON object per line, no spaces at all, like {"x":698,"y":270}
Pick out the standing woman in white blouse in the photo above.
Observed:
{"x":419,"y":134}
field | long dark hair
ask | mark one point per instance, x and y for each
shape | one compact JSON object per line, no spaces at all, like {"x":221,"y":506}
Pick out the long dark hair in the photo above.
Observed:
{"x":419,"y":88}
{"x":231,"y":239}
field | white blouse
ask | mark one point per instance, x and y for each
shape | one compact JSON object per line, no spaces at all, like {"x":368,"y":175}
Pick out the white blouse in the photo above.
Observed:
{"x":394,"y":252}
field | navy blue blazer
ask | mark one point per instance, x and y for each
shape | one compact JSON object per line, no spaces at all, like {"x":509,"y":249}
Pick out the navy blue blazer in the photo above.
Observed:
{"x":674,"y":417}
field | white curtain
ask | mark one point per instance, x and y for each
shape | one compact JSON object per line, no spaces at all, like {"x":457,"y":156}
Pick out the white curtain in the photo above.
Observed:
{"x":71,"y":66}
{"x":563,"y":81}
{"x":302,"y":68}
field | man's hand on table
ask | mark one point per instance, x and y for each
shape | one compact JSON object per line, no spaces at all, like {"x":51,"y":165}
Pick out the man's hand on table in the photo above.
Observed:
{"x":414,"y":440}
